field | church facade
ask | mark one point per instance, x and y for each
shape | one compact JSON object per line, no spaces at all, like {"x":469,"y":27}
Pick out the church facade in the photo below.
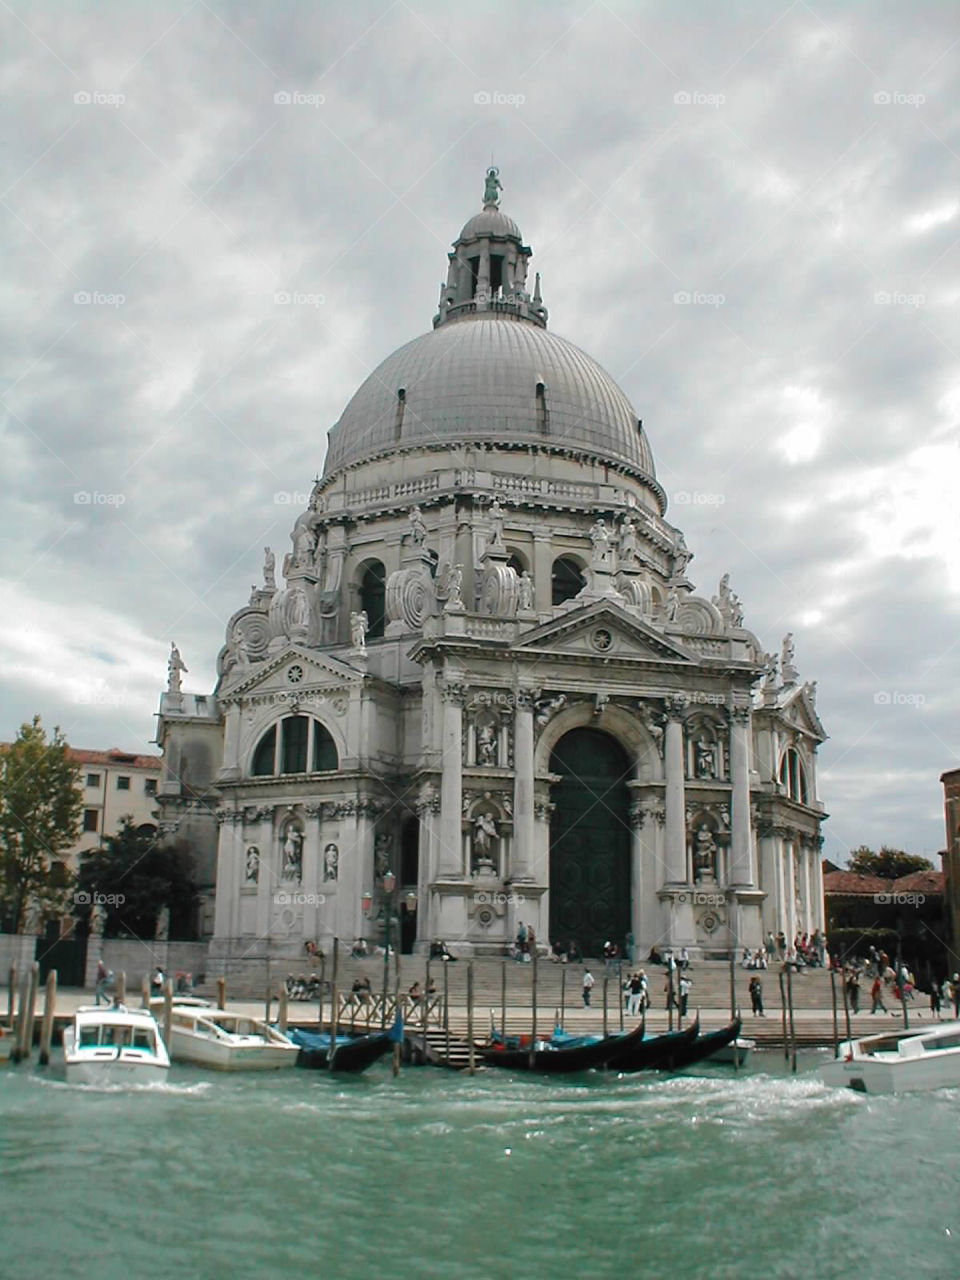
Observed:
{"x":482,"y":688}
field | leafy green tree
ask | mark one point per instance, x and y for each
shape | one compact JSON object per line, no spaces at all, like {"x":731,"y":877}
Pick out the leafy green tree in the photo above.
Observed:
{"x":40,"y":805}
{"x":135,"y":878}
{"x":889,"y":863}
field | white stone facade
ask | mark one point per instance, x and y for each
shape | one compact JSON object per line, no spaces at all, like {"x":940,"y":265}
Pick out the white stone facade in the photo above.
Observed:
{"x":485,"y":568}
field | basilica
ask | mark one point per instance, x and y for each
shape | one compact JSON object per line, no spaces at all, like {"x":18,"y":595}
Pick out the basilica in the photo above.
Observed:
{"x":480,"y":687}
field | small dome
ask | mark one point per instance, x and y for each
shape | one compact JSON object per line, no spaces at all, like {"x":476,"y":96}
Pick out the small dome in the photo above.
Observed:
{"x":490,"y":222}
{"x":477,"y":379}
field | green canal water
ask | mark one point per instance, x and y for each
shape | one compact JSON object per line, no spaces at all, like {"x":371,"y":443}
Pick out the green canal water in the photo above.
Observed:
{"x":300,"y":1174}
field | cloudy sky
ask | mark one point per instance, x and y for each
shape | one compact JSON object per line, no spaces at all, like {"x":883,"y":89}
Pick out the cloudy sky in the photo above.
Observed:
{"x":792,"y":170}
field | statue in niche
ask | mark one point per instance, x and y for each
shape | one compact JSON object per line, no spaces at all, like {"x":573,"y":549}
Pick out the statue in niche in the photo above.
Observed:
{"x":269,"y":570}
{"x":705,"y":854}
{"x":252,"y":869}
{"x":454,"y":587}
{"x":484,"y":835}
{"x":175,"y":669}
{"x":299,"y":609}
{"x":671,"y":608}
{"x":381,"y":854}
{"x":486,"y":744}
{"x":600,"y":538}
{"x":705,"y":758}
{"x":526,"y":590}
{"x":497,"y":513}
{"x":359,"y":624}
{"x":293,"y":854}
{"x":627,"y":549}
{"x":418,"y":530}
{"x":331,"y":862}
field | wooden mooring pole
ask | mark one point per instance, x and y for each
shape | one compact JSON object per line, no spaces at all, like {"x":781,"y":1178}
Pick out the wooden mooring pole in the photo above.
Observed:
{"x":446,"y":1011}
{"x":846,"y":1002}
{"x":11,"y":994}
{"x":168,"y":1013}
{"x":471,"y":1064}
{"x":221,"y":993}
{"x":833,"y":999}
{"x":33,"y":988}
{"x":783,"y":1017}
{"x":793,"y":1030}
{"x":606,"y":983}
{"x":563,"y":995}
{"x":145,"y":991}
{"x":282,"y":1011}
{"x":334,"y":1002}
{"x":46,"y":1027}
{"x":426,"y":1005}
{"x":533,"y":1004}
{"x":503,"y":1001}
{"x":120,"y":995}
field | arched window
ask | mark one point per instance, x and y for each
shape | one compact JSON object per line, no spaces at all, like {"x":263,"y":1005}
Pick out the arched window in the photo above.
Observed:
{"x":302,"y":750}
{"x":373,"y":587}
{"x":793,"y":776}
{"x":324,"y":749}
{"x":567,"y":580}
{"x":264,"y":756}
{"x":516,"y":562}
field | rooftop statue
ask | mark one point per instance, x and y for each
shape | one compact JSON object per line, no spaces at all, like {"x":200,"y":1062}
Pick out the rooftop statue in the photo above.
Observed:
{"x":175,"y":669}
{"x":493,"y":187}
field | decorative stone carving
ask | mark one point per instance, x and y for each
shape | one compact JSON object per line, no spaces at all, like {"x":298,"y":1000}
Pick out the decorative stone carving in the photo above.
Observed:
{"x":251,"y":873}
{"x":290,"y":615}
{"x":418,"y":530}
{"x":652,"y":724}
{"x":635,"y":591}
{"x":292,"y":850}
{"x":525,"y":592}
{"x":497,"y":513}
{"x":704,"y":855}
{"x":547,"y":708}
{"x":600,"y":538}
{"x":787,"y":669}
{"x":331,"y":862}
{"x":675,"y":705}
{"x":454,"y":586}
{"x":486,"y":744}
{"x":627,"y":542}
{"x":409,"y":597}
{"x":500,"y":592}
{"x":705,"y":758}
{"x":428,"y":800}
{"x":727,"y":603}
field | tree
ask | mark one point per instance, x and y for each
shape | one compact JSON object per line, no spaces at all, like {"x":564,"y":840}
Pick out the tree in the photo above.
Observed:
{"x":40,"y":805}
{"x":135,"y":878}
{"x":889,"y":863}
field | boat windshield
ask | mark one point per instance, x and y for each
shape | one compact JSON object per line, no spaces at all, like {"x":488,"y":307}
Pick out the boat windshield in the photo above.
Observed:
{"x":950,"y":1040}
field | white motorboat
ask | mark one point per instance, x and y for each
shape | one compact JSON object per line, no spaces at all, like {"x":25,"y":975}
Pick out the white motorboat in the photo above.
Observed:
{"x":898,"y":1061}
{"x":736,"y":1052}
{"x":111,"y":1044}
{"x":211,"y":1037}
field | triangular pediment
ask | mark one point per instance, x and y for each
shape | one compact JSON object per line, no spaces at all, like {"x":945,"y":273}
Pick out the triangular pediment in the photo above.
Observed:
{"x":581,"y":632}
{"x":280,"y":674}
{"x":799,"y":709}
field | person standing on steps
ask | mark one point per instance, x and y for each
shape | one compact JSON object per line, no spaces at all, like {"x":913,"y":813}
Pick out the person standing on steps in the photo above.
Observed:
{"x":876,"y":996}
{"x":589,"y":981}
{"x":756,"y":997}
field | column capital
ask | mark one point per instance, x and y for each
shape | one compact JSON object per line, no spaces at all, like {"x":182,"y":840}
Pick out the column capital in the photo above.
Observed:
{"x":675,"y":705}
{"x":454,"y":692}
{"x":740,"y":715}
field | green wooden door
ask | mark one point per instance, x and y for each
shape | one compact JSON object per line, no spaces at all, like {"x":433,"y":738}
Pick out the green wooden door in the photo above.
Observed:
{"x":590,"y":841}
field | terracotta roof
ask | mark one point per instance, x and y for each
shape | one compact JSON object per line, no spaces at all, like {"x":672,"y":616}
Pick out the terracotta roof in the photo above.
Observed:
{"x":850,"y":882}
{"x":116,"y":757}
{"x":921,"y":882}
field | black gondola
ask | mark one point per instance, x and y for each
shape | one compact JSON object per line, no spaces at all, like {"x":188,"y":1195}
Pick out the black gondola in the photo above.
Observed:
{"x":704,"y":1045}
{"x":581,"y":1057}
{"x":658,"y":1053}
{"x":352,"y":1054}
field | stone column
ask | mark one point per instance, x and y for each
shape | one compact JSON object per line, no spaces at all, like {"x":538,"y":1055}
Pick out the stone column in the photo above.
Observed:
{"x":451,"y":783}
{"x":523,"y":848}
{"x":742,"y":870}
{"x":229,"y":858}
{"x":231,"y":743}
{"x":819,"y":922}
{"x":791,"y":887}
{"x":542,"y":571}
{"x":676,"y":817}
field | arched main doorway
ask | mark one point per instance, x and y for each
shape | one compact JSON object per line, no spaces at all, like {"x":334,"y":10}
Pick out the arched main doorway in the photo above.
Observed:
{"x":590,"y":841}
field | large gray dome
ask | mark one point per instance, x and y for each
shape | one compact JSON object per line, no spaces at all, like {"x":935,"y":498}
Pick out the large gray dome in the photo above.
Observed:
{"x":476,"y":379}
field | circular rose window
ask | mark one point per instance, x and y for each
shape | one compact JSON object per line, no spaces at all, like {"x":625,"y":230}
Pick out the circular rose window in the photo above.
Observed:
{"x":602,"y":639}
{"x":295,"y":674}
